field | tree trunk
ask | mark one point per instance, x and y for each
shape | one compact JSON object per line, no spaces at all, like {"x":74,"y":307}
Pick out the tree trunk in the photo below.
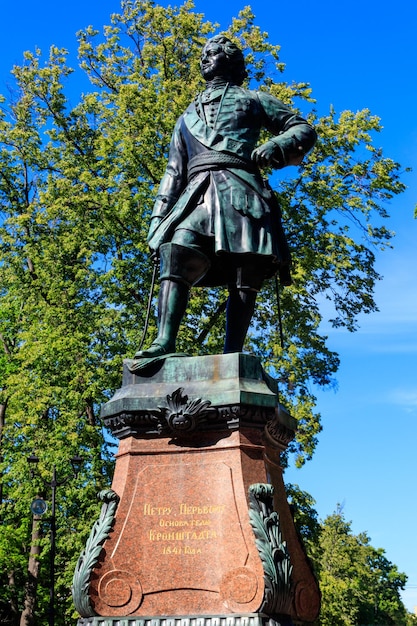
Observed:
{"x":89,"y":409}
{"x":13,"y":616}
{"x":3,"y":407}
{"x":27,"y":617}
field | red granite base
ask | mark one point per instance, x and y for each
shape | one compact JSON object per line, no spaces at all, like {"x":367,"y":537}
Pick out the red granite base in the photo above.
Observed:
{"x":179,"y":541}
{"x":182,"y":542}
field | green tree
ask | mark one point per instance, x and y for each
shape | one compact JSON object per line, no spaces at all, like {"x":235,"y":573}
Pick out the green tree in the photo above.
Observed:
{"x":76,"y":189}
{"x":359,"y":584}
{"x":305,"y":515}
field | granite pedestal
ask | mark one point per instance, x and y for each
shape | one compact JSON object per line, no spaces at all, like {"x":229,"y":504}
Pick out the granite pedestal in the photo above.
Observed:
{"x":196,"y":529}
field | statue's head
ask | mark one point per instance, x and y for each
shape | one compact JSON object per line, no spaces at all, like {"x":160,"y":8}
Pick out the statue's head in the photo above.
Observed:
{"x":221,"y":57}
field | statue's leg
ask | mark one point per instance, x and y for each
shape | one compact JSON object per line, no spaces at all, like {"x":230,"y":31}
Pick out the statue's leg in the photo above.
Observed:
{"x":181,"y":267}
{"x":241,"y":305}
{"x":239,"y":311}
{"x":172,"y":302}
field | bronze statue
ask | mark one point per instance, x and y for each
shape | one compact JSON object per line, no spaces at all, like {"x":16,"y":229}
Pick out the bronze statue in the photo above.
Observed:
{"x":216,"y":221}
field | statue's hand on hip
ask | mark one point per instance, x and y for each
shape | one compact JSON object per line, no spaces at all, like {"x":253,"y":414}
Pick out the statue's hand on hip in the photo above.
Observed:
{"x":268,"y":154}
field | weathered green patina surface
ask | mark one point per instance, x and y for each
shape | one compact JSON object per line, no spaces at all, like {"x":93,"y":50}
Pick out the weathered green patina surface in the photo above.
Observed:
{"x":181,"y":395}
{"x":216,"y":221}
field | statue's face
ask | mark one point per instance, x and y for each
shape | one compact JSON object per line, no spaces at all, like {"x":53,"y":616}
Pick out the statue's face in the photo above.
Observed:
{"x":214,"y":61}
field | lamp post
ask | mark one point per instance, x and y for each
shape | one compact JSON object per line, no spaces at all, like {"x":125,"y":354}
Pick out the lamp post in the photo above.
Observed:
{"x":76,"y":463}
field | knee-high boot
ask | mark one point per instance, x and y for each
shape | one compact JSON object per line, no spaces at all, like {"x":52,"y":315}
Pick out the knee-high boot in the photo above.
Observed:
{"x":239,"y":311}
{"x":172,"y":302}
{"x":181,"y":267}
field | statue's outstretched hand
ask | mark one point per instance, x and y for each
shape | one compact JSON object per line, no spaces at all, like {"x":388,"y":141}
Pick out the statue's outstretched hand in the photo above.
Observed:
{"x":154,"y":256}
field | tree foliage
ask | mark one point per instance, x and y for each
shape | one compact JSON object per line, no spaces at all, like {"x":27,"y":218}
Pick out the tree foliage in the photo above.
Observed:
{"x":77,"y":183}
{"x":359,"y":585}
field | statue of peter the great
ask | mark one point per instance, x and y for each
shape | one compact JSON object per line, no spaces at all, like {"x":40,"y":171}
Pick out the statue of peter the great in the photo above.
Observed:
{"x":216,"y":221}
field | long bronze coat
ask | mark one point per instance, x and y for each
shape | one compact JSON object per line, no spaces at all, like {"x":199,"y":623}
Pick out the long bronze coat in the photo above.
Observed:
{"x":211,"y":185}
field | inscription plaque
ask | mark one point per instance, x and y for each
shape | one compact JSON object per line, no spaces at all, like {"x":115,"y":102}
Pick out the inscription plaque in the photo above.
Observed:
{"x":173,"y":526}
{"x":182,"y":532}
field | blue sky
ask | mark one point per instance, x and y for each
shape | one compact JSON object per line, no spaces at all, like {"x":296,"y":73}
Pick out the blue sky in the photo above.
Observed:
{"x":355,"y":55}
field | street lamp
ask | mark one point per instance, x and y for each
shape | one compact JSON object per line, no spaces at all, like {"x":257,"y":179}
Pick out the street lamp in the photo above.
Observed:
{"x":39,"y":507}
